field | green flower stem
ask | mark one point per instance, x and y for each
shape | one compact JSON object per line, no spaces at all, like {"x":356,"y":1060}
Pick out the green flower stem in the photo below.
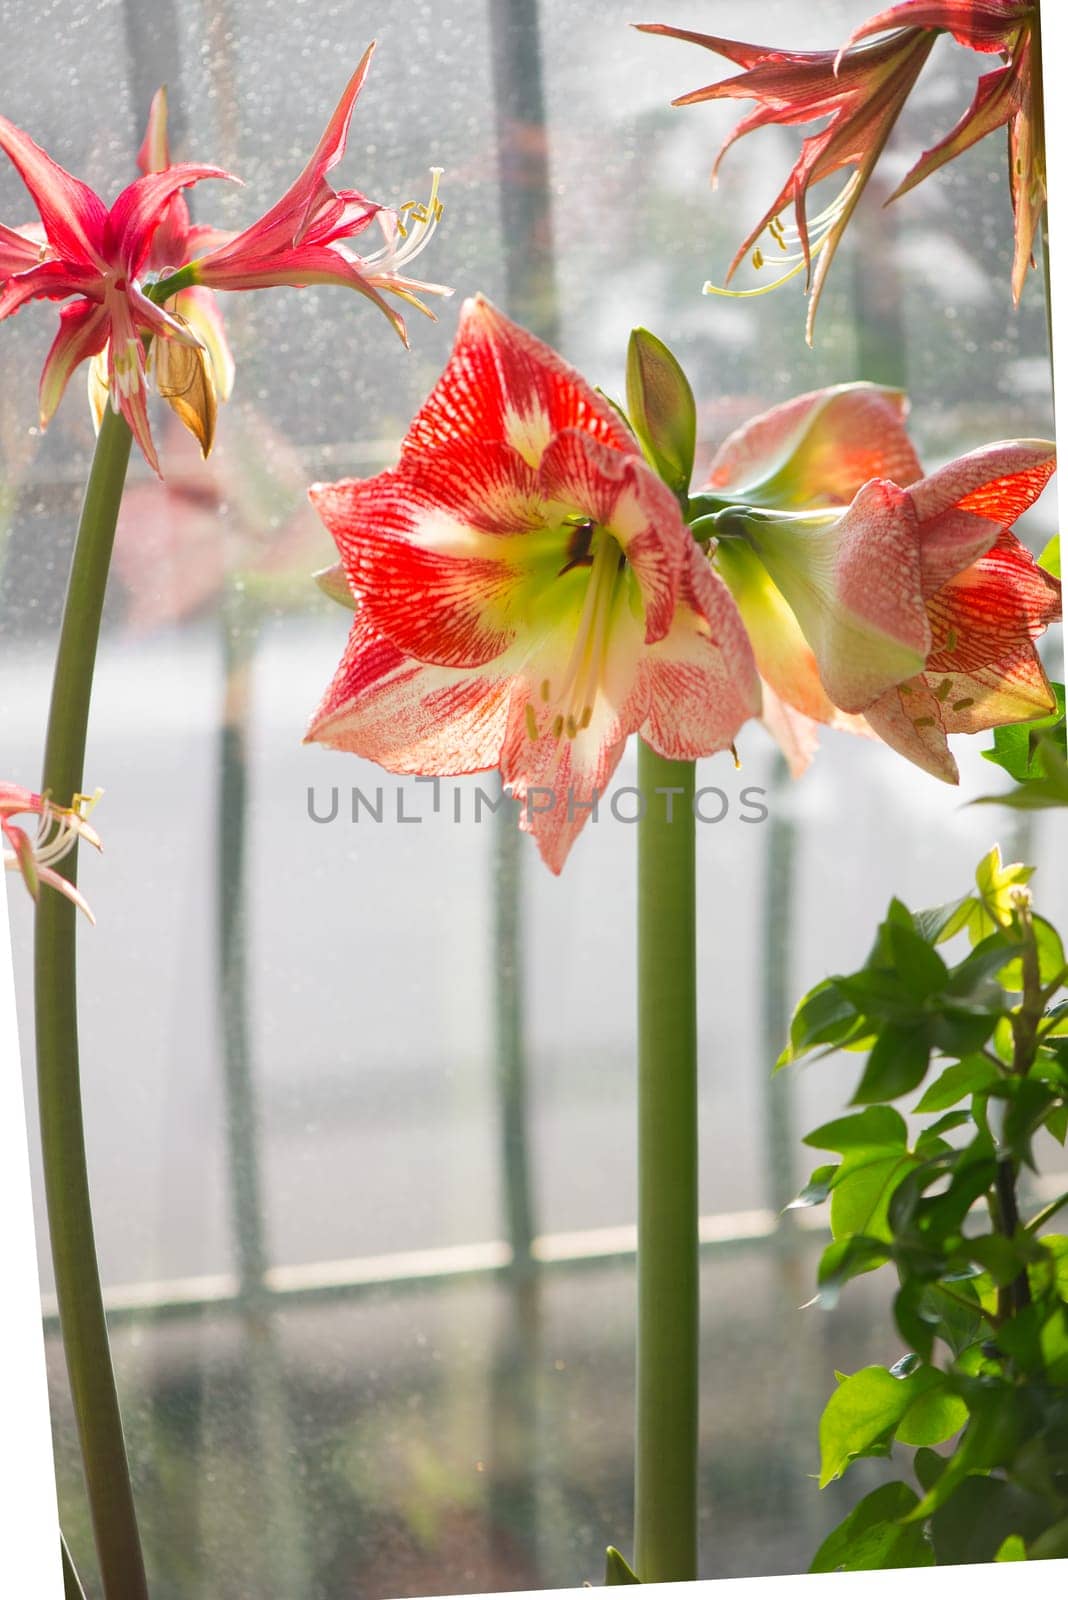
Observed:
{"x":665,"y":1478}
{"x":85,"y":1339}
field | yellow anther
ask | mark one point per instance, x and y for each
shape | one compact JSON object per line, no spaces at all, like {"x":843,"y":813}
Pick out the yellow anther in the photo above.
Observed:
{"x":558,"y":726}
{"x":546,"y":690}
{"x":572,"y":727}
{"x":532,"y":721}
{"x":951,"y":640}
{"x":587,"y":717}
{"x":758,"y":259}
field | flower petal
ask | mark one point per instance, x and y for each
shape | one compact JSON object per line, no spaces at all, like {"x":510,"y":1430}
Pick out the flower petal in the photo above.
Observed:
{"x":783,"y":655}
{"x":852,"y":581}
{"x":997,"y":481}
{"x":978,"y":24}
{"x":435,"y":587}
{"x":18,"y":252}
{"x":909,"y":719}
{"x":986,"y":612}
{"x":703,"y":682}
{"x":83,"y":333}
{"x":75,"y":218}
{"x":818,"y":449}
{"x":411,"y":718}
{"x":622,"y":494}
{"x":155,"y":153}
{"x":142,"y":205}
{"x":51,"y":280}
{"x":1012,"y":689}
{"x":503,"y":386}
{"x":200,"y":309}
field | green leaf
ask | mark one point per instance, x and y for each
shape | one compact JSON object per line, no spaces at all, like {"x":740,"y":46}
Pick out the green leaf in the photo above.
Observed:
{"x":823,"y":1017}
{"x":933,"y":1417}
{"x":846,"y":1259}
{"x":1050,"y":957}
{"x":878,"y":1127}
{"x":1012,"y":1549}
{"x":975,"y":1522}
{"x":816,"y":1189}
{"x":862,"y":1189}
{"x":1015,"y":746}
{"x":920,"y":968}
{"x":1037,"y":794}
{"x":898,"y":1062}
{"x":871,"y":1536}
{"x":928,"y":1466}
{"x":662,"y":409}
{"x":863,"y":1414}
{"x":964,"y":1078}
{"x":1051,"y":1545}
{"x":943,"y":922}
{"x":616,"y":1570}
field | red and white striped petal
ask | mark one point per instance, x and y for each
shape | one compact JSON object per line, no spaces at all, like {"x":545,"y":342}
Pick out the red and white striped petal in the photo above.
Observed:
{"x":819,"y":449}
{"x":439,"y":589}
{"x":83,"y":333}
{"x":985,"y":613}
{"x":909,"y":719}
{"x":703,"y":681}
{"x":75,"y":218}
{"x":408,"y":717}
{"x":503,"y":386}
{"x":998,"y":481}
{"x":621,"y":493}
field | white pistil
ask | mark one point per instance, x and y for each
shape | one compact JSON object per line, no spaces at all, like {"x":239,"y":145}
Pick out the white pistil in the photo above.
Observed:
{"x":415,"y":223}
{"x":787,"y":236}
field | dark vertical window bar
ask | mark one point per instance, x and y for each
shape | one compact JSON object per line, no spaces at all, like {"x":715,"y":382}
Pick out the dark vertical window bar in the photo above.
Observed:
{"x":530,"y":297}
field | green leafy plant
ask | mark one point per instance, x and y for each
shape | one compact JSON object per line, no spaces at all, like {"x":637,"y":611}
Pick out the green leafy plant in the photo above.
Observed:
{"x":982,"y":1298}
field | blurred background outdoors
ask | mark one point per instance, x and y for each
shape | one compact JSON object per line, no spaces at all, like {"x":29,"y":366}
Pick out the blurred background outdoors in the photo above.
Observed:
{"x":360,"y":1097}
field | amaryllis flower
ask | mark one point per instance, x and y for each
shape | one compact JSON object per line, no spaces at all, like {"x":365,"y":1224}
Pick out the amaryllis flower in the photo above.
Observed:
{"x":861,"y":89}
{"x":527,"y":594}
{"x":877,"y":598}
{"x":191,"y":380}
{"x":107,"y":260}
{"x":300,"y":240}
{"x":1004,"y":96}
{"x":98,"y":255}
{"x":58,"y":830}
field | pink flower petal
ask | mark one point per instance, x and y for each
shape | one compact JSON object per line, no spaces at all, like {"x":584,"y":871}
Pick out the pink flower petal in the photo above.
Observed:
{"x":818,"y":449}
{"x":141,"y":207}
{"x":411,"y":718}
{"x":83,"y":333}
{"x":75,"y":218}
{"x":909,"y":719}
{"x":703,"y":682}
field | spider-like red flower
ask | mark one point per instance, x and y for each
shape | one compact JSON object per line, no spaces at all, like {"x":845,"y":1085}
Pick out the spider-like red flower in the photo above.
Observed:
{"x":861,"y":90}
{"x":59,"y":829}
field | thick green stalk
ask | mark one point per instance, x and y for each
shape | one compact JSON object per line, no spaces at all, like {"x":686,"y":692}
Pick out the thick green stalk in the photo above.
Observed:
{"x":70,"y":1223}
{"x":665,"y":1475}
